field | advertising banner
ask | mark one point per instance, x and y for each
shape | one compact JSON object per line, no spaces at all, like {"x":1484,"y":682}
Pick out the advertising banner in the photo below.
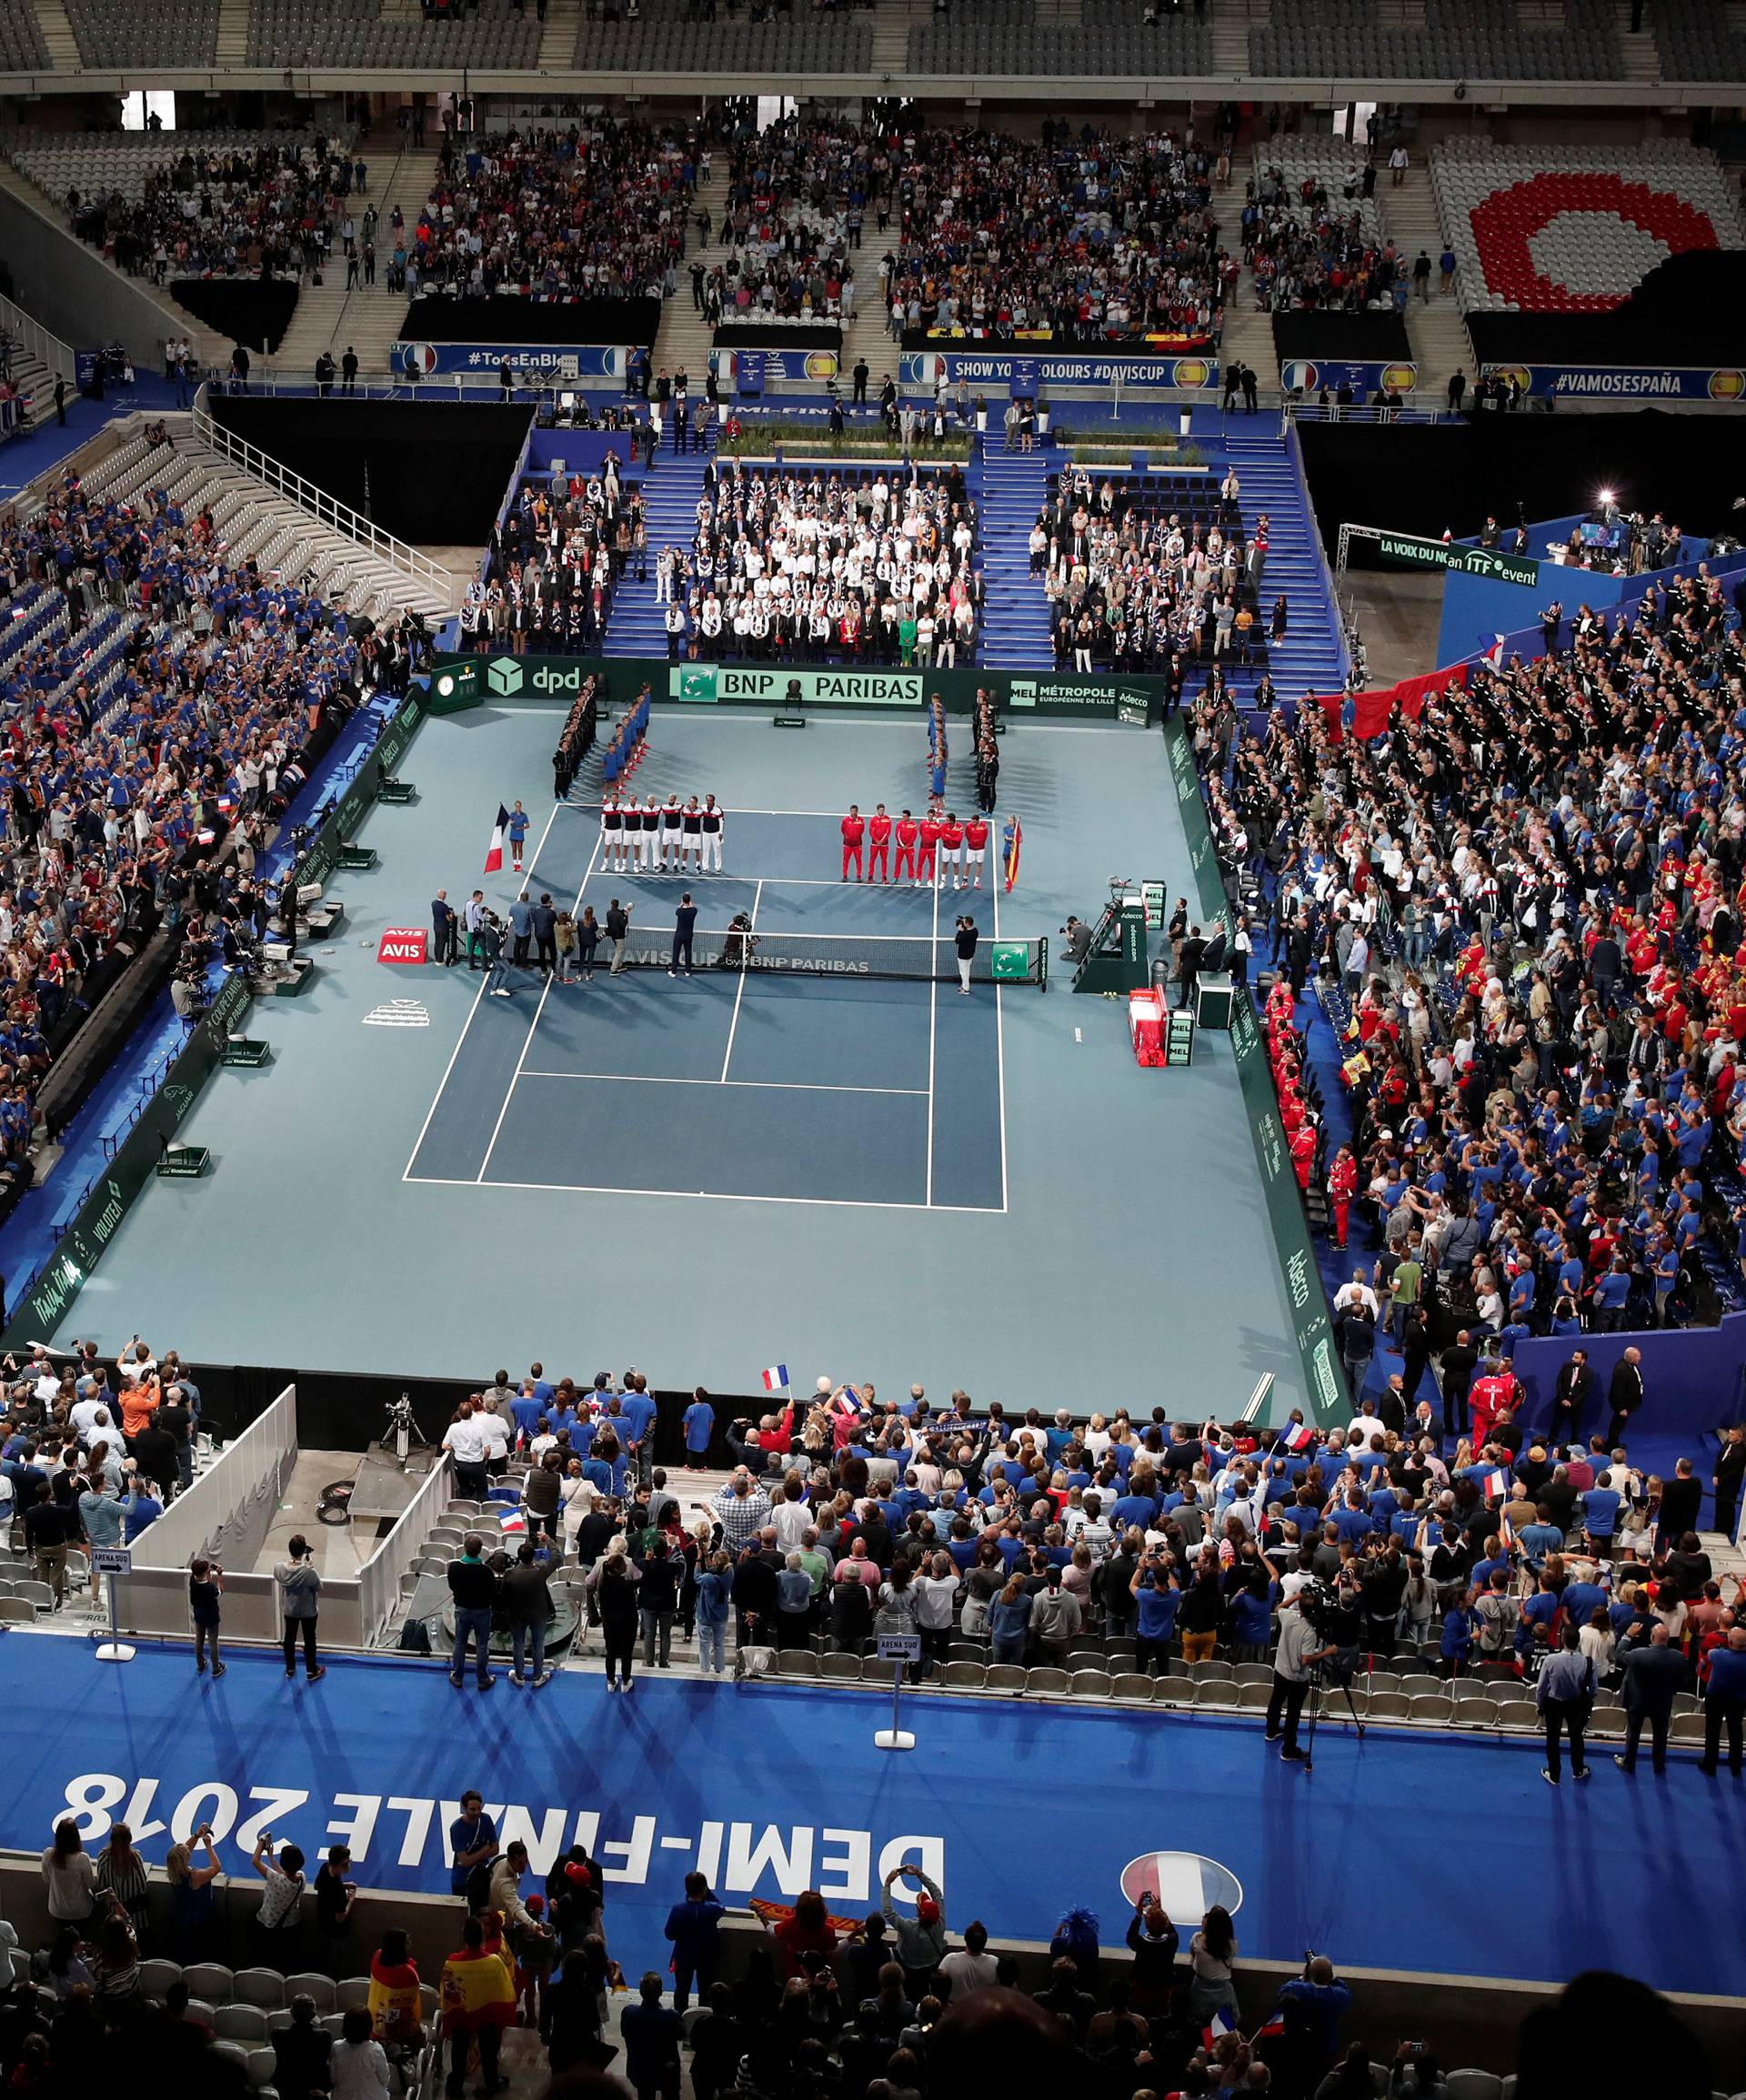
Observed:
{"x":1412,"y":552}
{"x":81,"y":1247}
{"x":553,"y":361}
{"x":1310,"y":376}
{"x":1324,"y":1388}
{"x":793,"y":366}
{"x":920,"y":370}
{"x":1626,"y":382}
{"x":457,"y":682}
{"x":322,"y":856}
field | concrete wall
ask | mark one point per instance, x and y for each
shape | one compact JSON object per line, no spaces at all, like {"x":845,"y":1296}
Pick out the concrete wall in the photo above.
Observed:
{"x":69,"y":289}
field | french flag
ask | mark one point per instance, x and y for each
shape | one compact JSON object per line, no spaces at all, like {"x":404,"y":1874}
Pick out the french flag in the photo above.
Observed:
{"x":1299,"y":1437}
{"x":776,"y":1379}
{"x":1495,"y":1486}
{"x":1220,"y":2023}
{"x":494,"y":858}
{"x":1506,"y":1532}
{"x":1274,"y":2026}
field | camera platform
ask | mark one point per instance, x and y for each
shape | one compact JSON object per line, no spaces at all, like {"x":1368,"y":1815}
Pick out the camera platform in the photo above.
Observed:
{"x":384,"y":1486}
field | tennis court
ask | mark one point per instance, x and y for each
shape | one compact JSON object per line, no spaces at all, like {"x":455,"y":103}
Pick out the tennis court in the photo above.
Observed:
{"x":832,"y":1061}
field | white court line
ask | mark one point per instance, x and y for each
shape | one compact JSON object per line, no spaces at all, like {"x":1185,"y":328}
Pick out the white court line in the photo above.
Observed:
{"x":933,"y":1015}
{"x":739,"y":989}
{"x":766,"y":1086}
{"x":707,"y":1195}
{"x":778,"y":882}
{"x":1000,"y":1048}
{"x":835,"y":814}
{"x":443,"y":1083}
{"x":533,"y":1026}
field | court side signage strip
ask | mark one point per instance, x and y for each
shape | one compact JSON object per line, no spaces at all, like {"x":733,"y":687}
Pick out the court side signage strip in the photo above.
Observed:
{"x":470,"y":681}
{"x":81,"y":1246}
{"x":1324,"y":1386}
{"x":321,"y":854}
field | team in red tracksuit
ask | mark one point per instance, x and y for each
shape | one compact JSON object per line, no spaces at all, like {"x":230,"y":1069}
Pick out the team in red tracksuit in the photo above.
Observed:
{"x":907,"y":833}
{"x":854,"y":831}
{"x":931,"y":831}
{"x":878,"y":846}
{"x":975,"y":847}
{"x":1342,"y":1186}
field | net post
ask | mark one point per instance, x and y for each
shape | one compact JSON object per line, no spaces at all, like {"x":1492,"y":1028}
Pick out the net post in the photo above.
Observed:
{"x":1043,"y":963}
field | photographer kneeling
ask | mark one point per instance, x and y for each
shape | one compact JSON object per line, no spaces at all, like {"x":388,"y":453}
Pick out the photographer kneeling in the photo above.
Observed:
{"x":1295,"y":1663}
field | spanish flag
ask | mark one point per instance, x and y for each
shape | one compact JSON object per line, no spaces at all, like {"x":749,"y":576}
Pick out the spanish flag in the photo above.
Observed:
{"x":1011,"y":839}
{"x":476,"y":1991}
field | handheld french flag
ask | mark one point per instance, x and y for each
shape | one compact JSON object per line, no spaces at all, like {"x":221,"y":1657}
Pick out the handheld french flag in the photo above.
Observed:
{"x":776,"y":1379}
{"x":494,"y":858}
{"x":1220,"y":2023}
{"x":1275,"y":2025}
{"x":1506,"y":1532}
{"x":1012,"y":841}
{"x":1300,"y":1436}
{"x":1495,"y":1486}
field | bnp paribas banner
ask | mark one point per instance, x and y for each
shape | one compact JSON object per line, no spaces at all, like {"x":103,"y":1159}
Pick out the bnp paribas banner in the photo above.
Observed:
{"x":1323,"y":1387}
{"x":471,"y":681}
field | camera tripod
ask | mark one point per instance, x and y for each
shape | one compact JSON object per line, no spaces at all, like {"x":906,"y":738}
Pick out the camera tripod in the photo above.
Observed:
{"x":1320,"y":1676}
{"x":403,"y":1426}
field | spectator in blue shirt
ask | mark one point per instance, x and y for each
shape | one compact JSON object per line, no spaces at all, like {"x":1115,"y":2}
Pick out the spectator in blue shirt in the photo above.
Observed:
{"x":698,"y":1424}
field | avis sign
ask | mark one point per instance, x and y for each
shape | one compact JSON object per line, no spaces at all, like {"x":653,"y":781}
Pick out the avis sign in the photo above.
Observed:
{"x":403,"y":944}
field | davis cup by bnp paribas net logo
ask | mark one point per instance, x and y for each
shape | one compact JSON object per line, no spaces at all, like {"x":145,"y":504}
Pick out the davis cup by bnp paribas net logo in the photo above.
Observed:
{"x":693,"y":683}
{"x":502,"y":675}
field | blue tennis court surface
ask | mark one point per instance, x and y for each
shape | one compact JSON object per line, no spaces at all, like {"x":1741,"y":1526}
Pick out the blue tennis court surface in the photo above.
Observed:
{"x":1019,"y":1809}
{"x":810,"y":1077}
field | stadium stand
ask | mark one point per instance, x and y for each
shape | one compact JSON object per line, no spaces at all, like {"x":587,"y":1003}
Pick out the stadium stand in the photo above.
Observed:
{"x":984,"y":37}
{"x":668,"y":38}
{"x":22,"y":49}
{"x":1317,"y":236}
{"x":1569,"y":229}
{"x":1461,"y":40}
{"x":1698,"y":43}
{"x":116,"y":33}
{"x":493,"y":33}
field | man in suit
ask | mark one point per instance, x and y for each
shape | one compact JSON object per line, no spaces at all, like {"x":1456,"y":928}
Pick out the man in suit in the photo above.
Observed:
{"x":1730,"y":1469}
{"x":442,"y":927}
{"x":1624,"y":1396}
{"x":1571,"y":1395}
{"x":1460,"y":1360}
{"x":1654,"y":1676}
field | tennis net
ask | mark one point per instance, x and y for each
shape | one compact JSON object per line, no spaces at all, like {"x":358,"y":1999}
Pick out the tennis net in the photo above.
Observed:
{"x":840,"y":955}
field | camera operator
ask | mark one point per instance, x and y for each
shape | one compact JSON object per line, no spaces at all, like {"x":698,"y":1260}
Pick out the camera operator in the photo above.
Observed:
{"x":1301,"y":1651}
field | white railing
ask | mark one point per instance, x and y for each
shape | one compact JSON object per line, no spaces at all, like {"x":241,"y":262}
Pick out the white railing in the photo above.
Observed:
{"x":339,"y":516}
{"x":378,"y":1580}
{"x":32,"y":336}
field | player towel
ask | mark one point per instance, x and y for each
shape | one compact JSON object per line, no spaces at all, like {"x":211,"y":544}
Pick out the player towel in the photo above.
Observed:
{"x":1300,"y":1436}
{"x":776,"y":1379}
{"x":494,"y":858}
{"x":1495,"y":1486}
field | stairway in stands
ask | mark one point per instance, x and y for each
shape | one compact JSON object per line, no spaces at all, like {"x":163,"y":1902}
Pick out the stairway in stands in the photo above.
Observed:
{"x":1308,"y":660}
{"x":637,"y":625}
{"x":1015,"y":612}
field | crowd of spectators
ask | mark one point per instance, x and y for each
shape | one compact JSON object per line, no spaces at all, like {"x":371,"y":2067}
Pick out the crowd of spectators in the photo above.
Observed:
{"x":1082,"y":235}
{"x":798,"y":197}
{"x":600,"y":212}
{"x":869,"y":565}
{"x":1523,"y":905}
{"x":116,"y":792}
{"x":267,"y":210}
{"x":1135,"y":582}
{"x":1316,"y":251}
{"x":564,"y":543}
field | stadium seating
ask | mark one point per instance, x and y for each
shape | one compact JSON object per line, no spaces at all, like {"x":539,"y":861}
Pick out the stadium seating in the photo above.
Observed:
{"x":1325,"y":162}
{"x":982,"y":37}
{"x":1696,"y":42}
{"x":662,"y":40}
{"x":22,"y":49}
{"x":1461,"y":39}
{"x":361,"y":32}
{"x":167,"y":33}
{"x":1574,"y":229}
{"x":113,"y":163}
